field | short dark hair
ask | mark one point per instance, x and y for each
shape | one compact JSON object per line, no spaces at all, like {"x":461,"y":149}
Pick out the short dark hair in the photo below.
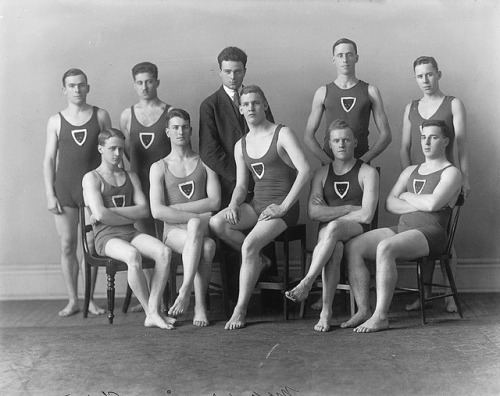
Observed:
{"x":107,"y":133}
{"x":173,"y":112}
{"x":440,"y":124}
{"x":73,"y":72}
{"x":232,"y":54}
{"x":337,"y":125}
{"x":345,"y":41}
{"x":253,"y":89}
{"x":145,"y":67}
{"x":423,"y":60}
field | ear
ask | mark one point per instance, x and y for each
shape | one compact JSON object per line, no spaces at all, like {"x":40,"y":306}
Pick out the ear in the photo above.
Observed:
{"x":167,"y":131}
{"x":157,"y":83}
{"x":439,"y":74}
{"x":240,"y":109}
{"x":355,"y":142}
{"x":357,"y":58}
{"x":88,"y":88}
{"x":99,"y":148}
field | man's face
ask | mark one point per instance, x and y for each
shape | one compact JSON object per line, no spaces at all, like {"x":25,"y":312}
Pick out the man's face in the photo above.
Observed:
{"x":112,"y":151}
{"x":345,"y":58}
{"x":342,"y":143}
{"x":146,"y":86}
{"x":232,"y":74}
{"x":179,"y":131}
{"x":76,"y":89}
{"x":253,"y":107}
{"x":427,"y":78}
{"x":433,"y":142}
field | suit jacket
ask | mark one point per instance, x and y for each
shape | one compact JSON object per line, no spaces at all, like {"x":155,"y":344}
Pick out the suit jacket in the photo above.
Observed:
{"x":221,"y":126}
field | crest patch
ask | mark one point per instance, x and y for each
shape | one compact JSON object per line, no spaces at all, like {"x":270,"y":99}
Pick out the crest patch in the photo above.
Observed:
{"x":146,"y":139}
{"x":348,"y":102}
{"x":341,"y":188}
{"x":79,"y":136}
{"x":187,"y":189}
{"x":258,"y":169}
{"x":418,"y":185}
{"x":118,"y":201}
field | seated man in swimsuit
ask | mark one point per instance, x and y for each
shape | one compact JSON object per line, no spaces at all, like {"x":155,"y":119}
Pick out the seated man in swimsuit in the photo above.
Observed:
{"x":280,"y":169}
{"x":116,"y":202}
{"x":343,"y":198}
{"x":184,"y":193}
{"x":424,"y":195}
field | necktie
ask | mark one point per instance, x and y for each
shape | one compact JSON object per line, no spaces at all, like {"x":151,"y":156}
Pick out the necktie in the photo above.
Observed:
{"x":236,"y":99}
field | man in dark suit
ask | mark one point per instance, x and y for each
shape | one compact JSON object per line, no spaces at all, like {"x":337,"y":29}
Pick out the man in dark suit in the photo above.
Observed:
{"x":221,"y":126}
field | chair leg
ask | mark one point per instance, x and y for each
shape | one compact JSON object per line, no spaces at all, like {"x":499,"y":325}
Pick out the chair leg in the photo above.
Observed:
{"x":352,"y":302}
{"x":111,"y":297}
{"x":302,"y":275}
{"x":173,"y":283}
{"x":286,"y":248}
{"x":224,"y":284}
{"x":165,"y":300}
{"x":87,"y":290}
{"x":128,"y":297}
{"x":453,"y":286}
{"x":421,"y":290}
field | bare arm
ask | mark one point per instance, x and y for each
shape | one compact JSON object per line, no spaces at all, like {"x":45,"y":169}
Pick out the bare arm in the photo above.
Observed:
{"x":317,"y":208}
{"x":49,"y":164}
{"x":394,"y":203}
{"x":140,"y":208}
{"x":312,"y":126}
{"x":370,"y":184}
{"x":405,"y":151}
{"x":103,"y":119}
{"x":241,"y":188}
{"x":93,"y":199}
{"x":444,"y":194}
{"x":289,"y":143}
{"x":125,"y":119}
{"x":460,"y":125}
{"x":172,"y":214}
{"x":382,"y":124}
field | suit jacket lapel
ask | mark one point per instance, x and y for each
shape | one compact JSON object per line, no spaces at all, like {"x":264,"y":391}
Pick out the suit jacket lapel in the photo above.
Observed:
{"x":228,"y":108}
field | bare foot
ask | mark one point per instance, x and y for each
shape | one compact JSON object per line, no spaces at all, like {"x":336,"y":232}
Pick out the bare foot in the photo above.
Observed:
{"x":180,"y":305}
{"x":450,"y":305}
{"x":317,"y":305}
{"x":299,"y":293}
{"x":137,"y":308}
{"x":168,"y":319}
{"x":323,"y":324}
{"x":155,"y":320}
{"x":70,"y":309}
{"x":95,"y":309}
{"x":358,"y":318}
{"x":200,"y":317}
{"x":372,"y":325}
{"x":416,"y":305}
{"x":237,"y":321}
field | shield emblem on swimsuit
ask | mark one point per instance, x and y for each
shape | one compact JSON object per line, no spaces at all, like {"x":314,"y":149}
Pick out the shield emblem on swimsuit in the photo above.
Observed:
{"x":418,"y":185}
{"x":146,"y":139}
{"x":118,"y":201}
{"x":79,"y":136}
{"x":341,"y":188}
{"x":187,"y":189}
{"x":348,"y":103}
{"x":258,"y":169}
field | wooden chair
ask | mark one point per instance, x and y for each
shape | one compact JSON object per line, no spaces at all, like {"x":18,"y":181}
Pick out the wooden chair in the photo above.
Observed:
{"x":444,"y":259}
{"x":112,"y":267}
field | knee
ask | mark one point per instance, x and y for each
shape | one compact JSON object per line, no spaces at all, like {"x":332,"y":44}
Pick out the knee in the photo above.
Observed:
{"x":208,"y":249}
{"x":217,"y":224}
{"x":133,"y":259}
{"x":385,"y":250}
{"x":68,"y":246}
{"x":164,"y":255}
{"x":194,"y":226}
{"x":331,"y":230}
{"x":250,"y":247}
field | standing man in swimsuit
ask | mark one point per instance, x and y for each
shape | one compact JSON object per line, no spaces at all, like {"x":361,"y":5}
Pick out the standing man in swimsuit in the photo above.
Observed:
{"x":116,"y":202}
{"x":279,"y":169}
{"x":184,"y":194}
{"x":435,"y":105}
{"x":70,"y":152}
{"x":343,"y":198}
{"x":349,"y":99}
{"x":144,"y":126}
{"x":424,"y":196}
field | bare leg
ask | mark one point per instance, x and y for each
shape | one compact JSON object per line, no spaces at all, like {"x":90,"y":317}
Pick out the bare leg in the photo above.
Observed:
{"x":328,"y":237}
{"x":67,"y":229}
{"x":331,"y":275}
{"x":406,"y":245}
{"x":263,"y":232}
{"x":357,"y":250}
{"x":449,"y":302}
{"x":201,"y":281}
{"x":152,"y":248}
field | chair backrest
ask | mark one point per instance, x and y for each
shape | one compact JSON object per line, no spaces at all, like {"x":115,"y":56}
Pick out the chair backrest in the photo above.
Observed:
{"x":453,"y":222}
{"x":84,"y":229}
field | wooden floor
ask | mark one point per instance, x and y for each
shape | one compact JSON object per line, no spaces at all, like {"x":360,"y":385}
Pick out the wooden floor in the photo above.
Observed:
{"x":43,"y":354}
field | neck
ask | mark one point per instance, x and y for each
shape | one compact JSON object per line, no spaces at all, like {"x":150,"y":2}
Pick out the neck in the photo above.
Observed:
{"x":107,"y":167}
{"x":343,"y":165}
{"x":262,"y":126}
{"x":182,"y":152}
{"x":78,"y":108}
{"x":346,"y":80}
{"x":437,"y":162}
{"x":436,"y":95}
{"x":149,"y":102}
